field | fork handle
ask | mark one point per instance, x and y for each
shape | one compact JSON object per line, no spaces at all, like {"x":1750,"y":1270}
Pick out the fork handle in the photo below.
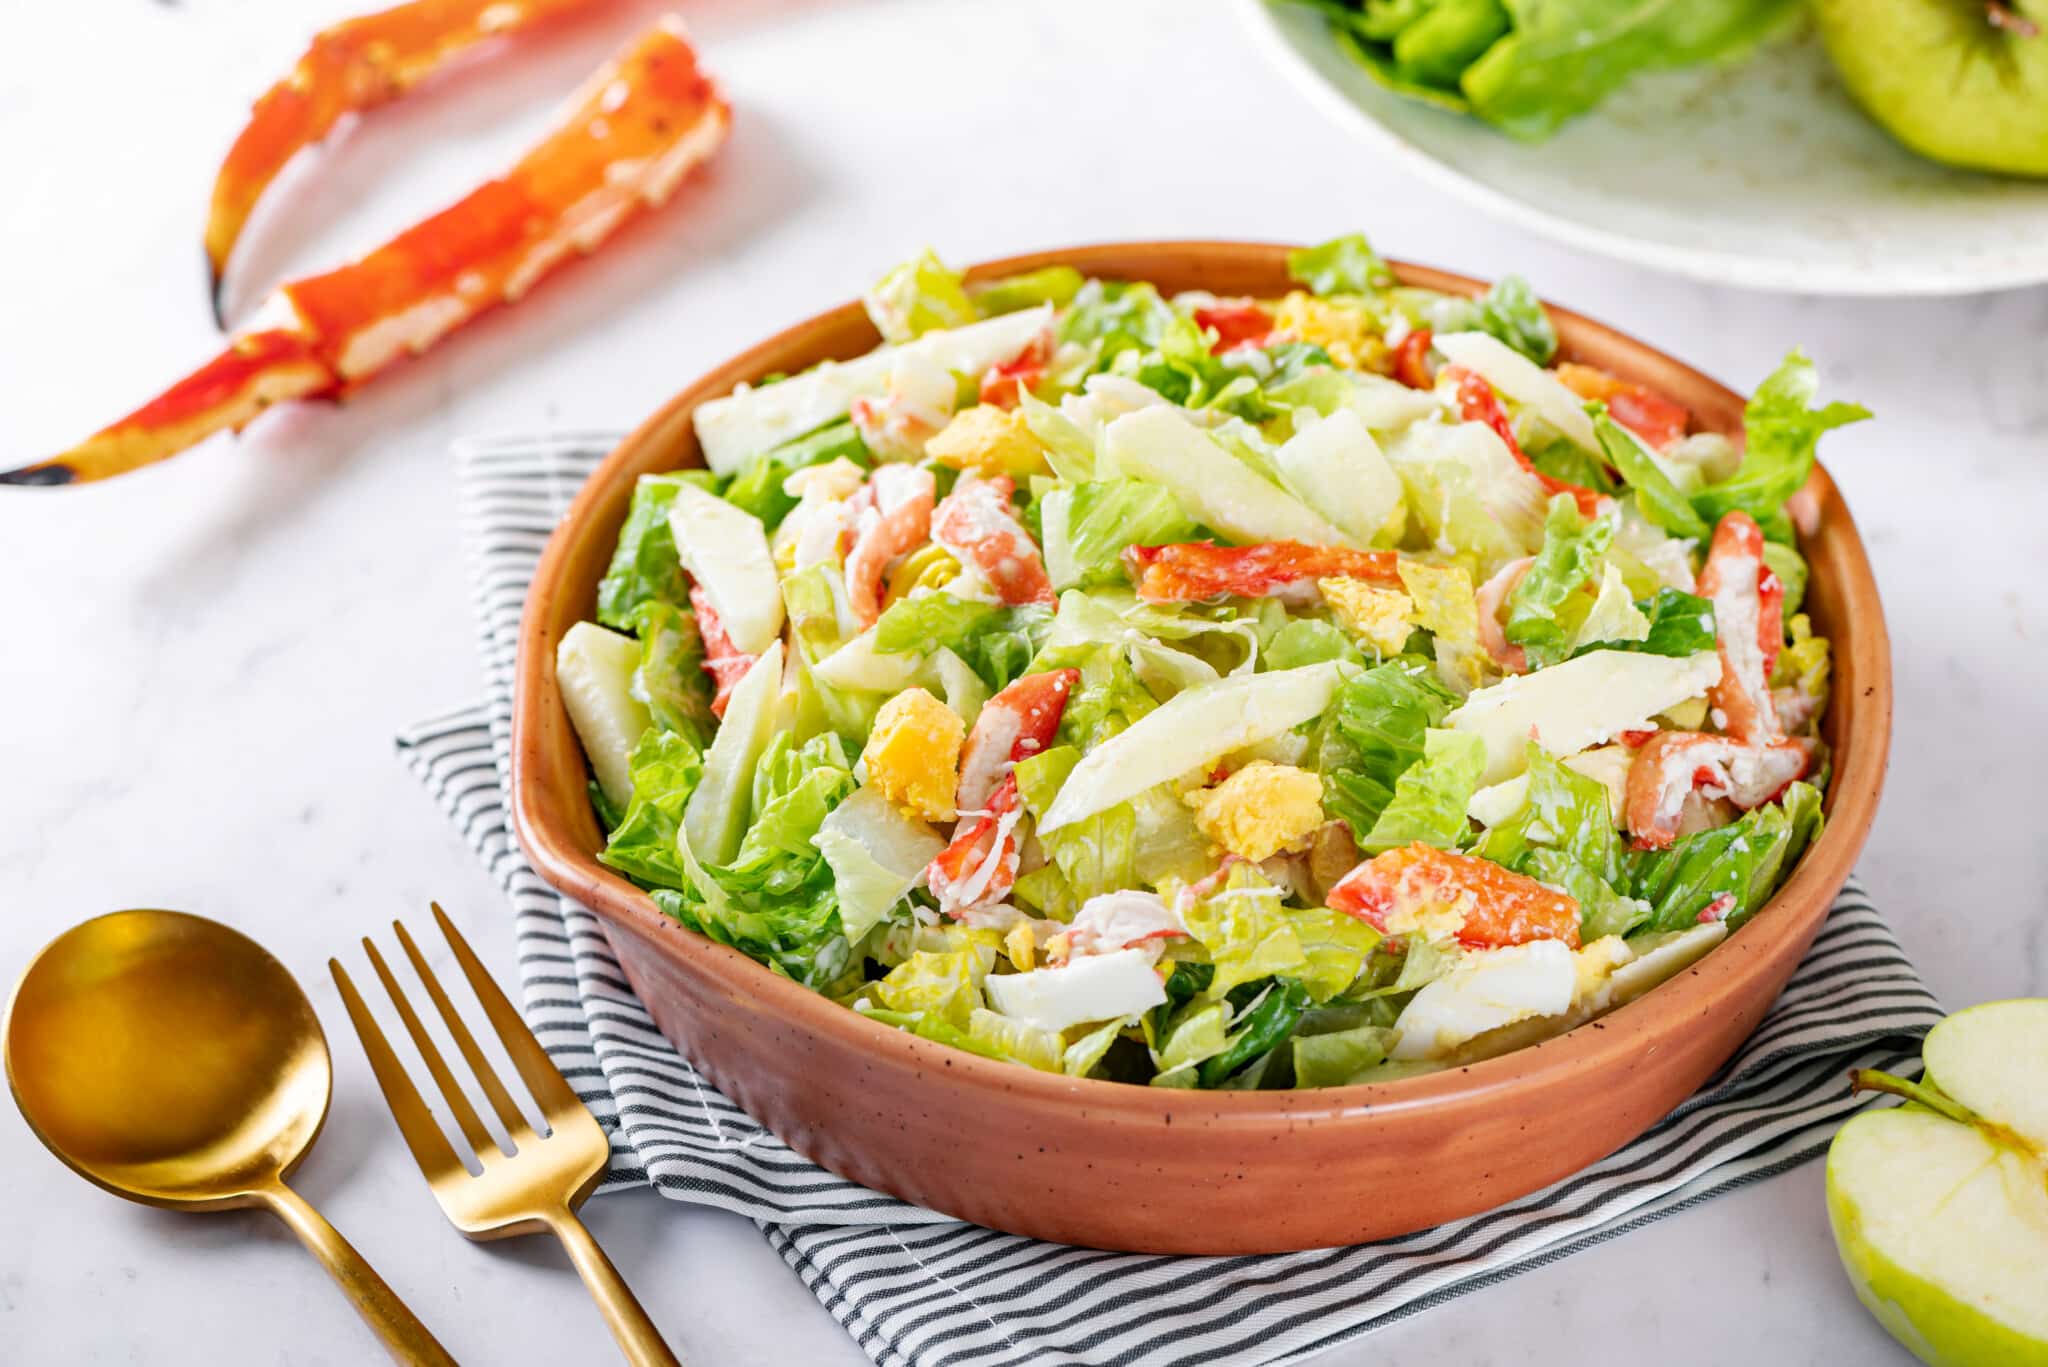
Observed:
{"x":638,"y":1339}
{"x":405,"y":1338}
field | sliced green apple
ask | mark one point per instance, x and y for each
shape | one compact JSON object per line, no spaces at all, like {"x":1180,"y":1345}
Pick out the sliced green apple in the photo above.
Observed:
{"x":594,"y":669}
{"x":1940,"y":1207}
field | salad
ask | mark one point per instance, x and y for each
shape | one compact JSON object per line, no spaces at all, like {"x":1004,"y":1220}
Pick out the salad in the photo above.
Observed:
{"x":1213,"y":692}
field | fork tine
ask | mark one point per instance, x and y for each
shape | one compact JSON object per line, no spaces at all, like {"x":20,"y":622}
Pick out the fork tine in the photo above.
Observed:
{"x":480,"y":1141}
{"x":543,"y":1079}
{"x":486,"y":1076}
{"x":430,"y":1148}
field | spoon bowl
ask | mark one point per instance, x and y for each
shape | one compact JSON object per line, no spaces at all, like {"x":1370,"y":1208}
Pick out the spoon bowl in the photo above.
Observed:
{"x":168,"y":1059}
{"x":173,"y":1061}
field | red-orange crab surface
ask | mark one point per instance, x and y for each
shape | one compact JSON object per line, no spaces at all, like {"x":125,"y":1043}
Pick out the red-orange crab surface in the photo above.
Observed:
{"x":637,"y":128}
{"x":1192,"y":571}
{"x":1400,"y":888}
{"x":354,"y":66}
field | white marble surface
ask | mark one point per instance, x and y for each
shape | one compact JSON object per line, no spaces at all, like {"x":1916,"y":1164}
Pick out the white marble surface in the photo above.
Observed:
{"x":204,"y":664}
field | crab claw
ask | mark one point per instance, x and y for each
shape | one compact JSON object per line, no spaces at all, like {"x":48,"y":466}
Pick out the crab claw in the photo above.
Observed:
{"x":354,"y":66}
{"x":256,"y":370}
{"x":1652,"y":416}
{"x":641,"y":123}
{"x":1672,"y":765}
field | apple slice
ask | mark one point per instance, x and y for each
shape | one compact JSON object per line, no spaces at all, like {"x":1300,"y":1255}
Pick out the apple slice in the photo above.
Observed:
{"x":1940,"y":1208}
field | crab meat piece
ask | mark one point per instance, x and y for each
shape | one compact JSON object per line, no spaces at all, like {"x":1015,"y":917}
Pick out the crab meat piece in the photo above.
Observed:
{"x":1673,"y":765}
{"x":1236,"y":323}
{"x":1422,"y":888}
{"x":1411,"y":359}
{"x":1658,"y":420}
{"x":1192,"y":571}
{"x":975,"y":522}
{"x":352,"y":67}
{"x":914,"y":406}
{"x":1491,"y":595}
{"x":643,"y":121}
{"x":891,"y":514}
{"x":1014,"y":725}
{"x":725,"y":662}
{"x":1123,"y":920}
{"x":1749,"y":626}
{"x":980,"y":867}
{"x":1005,"y":383}
{"x":1477,"y":402}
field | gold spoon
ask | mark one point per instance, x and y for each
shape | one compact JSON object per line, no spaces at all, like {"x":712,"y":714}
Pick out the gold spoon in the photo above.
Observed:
{"x":173,"y":1062}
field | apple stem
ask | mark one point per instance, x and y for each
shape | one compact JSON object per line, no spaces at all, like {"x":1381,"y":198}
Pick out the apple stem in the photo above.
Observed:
{"x":1925,"y":1093}
{"x":2003,"y":16}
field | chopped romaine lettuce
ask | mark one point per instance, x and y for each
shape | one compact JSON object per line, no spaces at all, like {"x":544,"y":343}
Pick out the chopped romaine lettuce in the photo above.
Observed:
{"x":1783,"y":429}
{"x":1745,"y":860}
{"x":1055,"y":285}
{"x":1373,"y":730}
{"x":1343,"y":265}
{"x":645,"y":565}
{"x":670,"y":677}
{"x":916,"y":297}
{"x":1573,"y":556}
{"x":666,"y":769}
{"x":1086,"y":527}
{"x":1430,"y":796}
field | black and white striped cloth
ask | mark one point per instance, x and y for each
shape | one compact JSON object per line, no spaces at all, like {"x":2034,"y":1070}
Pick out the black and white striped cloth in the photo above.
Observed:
{"x":919,"y":1289}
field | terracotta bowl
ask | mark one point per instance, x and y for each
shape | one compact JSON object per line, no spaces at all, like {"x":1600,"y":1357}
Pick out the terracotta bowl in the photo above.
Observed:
{"x":1125,"y":1167}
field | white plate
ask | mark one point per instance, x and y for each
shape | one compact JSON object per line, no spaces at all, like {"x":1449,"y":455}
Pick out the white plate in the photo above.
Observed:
{"x":1760,"y":174}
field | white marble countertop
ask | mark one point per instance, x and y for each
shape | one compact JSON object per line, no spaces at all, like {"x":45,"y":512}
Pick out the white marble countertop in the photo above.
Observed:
{"x":205,"y":663}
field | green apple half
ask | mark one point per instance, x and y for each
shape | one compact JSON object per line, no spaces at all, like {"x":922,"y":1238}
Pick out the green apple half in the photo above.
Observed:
{"x":1962,"y":81}
{"x":1940,"y":1207}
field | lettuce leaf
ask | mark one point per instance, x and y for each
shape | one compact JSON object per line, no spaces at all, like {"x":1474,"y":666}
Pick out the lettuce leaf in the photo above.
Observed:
{"x":1747,"y":859}
{"x":1562,"y":57}
{"x":1510,"y":311}
{"x":670,"y":677}
{"x":1681,"y":624}
{"x":1257,"y":1031}
{"x":645,"y":565}
{"x":1307,"y":641}
{"x":666,"y":766}
{"x":1246,"y":930}
{"x":997,"y":642}
{"x":795,"y":788}
{"x":1087,"y":526}
{"x":1783,"y":430}
{"x":1109,"y":318}
{"x":1573,"y":554}
{"x":1055,"y":285}
{"x":796,"y":933}
{"x":1659,"y":499}
{"x":1564,"y":810}
{"x":1372,"y":731}
{"x":1343,"y":265}
{"x":758,"y":488}
{"x":1094,"y":855}
{"x":1331,"y":1058}
{"x":917,"y":297}
{"x":1108,"y":698}
{"x":1430,"y":796}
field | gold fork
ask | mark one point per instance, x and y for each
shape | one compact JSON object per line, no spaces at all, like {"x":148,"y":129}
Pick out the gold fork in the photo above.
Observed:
{"x":536,"y":1187}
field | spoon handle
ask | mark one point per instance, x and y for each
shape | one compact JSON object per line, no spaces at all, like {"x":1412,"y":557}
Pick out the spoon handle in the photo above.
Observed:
{"x":405,"y":1338}
{"x":638,"y":1339}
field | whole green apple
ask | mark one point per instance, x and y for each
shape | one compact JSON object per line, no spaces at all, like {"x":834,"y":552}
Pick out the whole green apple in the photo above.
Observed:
{"x":1940,"y":1207}
{"x":1962,"y":81}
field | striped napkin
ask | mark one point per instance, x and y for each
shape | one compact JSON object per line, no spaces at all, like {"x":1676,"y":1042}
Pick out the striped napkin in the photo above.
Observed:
{"x":919,"y":1289}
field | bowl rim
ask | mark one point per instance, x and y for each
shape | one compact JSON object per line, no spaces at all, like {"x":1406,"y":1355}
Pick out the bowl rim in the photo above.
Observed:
{"x":545,"y":831}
